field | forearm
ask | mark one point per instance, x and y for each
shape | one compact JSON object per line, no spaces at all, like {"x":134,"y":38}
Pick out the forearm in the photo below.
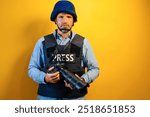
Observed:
{"x":90,"y":62}
{"x":36,"y":74}
{"x":36,"y":60}
{"x":91,"y":75}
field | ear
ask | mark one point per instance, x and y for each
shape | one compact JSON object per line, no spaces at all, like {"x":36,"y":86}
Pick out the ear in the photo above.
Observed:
{"x":73,"y":23}
{"x":55,"y":21}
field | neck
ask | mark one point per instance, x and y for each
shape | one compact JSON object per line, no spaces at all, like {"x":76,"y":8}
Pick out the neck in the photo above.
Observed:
{"x":64,"y":35}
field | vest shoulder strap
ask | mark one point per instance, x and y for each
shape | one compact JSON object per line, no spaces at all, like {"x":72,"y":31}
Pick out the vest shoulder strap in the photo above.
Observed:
{"x":50,"y":41}
{"x":78,"y":40}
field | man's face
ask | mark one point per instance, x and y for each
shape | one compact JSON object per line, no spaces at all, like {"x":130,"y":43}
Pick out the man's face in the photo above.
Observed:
{"x":64,"y":22}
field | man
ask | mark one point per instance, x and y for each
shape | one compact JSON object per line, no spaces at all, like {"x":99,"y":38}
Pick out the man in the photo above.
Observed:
{"x":67,"y":48}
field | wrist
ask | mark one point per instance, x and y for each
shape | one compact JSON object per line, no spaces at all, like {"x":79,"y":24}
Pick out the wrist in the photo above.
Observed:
{"x":45,"y":80}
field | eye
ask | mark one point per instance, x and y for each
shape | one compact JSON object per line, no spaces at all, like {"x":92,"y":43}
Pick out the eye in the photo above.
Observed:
{"x":61,"y":16}
{"x":69,"y":16}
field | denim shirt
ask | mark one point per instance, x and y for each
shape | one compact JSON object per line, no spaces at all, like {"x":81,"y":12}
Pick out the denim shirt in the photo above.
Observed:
{"x":37,"y":57}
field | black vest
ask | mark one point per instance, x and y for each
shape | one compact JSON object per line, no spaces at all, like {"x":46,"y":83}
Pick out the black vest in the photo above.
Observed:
{"x":71,"y":56}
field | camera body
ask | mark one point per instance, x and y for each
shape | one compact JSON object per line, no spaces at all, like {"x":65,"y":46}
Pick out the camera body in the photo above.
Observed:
{"x":77,"y":83}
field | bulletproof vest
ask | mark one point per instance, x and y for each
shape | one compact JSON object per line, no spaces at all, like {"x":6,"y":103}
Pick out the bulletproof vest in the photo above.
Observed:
{"x":70,"y":56}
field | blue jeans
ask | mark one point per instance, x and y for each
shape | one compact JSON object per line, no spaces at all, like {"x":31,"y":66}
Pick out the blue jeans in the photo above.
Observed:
{"x":39,"y":97}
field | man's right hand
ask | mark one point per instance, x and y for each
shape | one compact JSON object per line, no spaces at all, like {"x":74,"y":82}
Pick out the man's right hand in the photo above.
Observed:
{"x":52,"y":77}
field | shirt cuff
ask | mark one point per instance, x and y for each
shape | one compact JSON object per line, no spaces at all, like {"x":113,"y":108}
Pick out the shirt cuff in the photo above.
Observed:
{"x":86,"y":78}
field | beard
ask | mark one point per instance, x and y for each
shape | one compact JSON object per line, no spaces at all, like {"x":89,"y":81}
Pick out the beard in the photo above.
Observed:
{"x":64,"y":28}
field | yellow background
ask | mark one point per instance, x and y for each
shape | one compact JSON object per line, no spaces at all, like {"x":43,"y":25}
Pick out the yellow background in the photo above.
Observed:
{"x":119,"y":33}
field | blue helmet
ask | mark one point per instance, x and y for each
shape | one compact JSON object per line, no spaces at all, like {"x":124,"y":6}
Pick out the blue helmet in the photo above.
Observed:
{"x":63,"y":6}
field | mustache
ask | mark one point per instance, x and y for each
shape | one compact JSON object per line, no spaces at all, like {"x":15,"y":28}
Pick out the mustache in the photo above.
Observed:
{"x":65,"y":25}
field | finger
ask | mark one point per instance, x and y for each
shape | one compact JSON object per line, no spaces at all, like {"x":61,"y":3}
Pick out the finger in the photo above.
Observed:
{"x":50,"y":69}
{"x":56,"y":78}
{"x":68,"y":85}
{"x":54,"y":75}
{"x":65,"y":83}
{"x":79,"y":77}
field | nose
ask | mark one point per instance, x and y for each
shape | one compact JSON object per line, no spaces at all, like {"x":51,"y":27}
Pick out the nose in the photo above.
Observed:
{"x":65,"y":19}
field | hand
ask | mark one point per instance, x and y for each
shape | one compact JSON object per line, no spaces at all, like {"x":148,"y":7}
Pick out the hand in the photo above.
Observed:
{"x":52,"y":77}
{"x":79,"y":77}
{"x":68,"y":85}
